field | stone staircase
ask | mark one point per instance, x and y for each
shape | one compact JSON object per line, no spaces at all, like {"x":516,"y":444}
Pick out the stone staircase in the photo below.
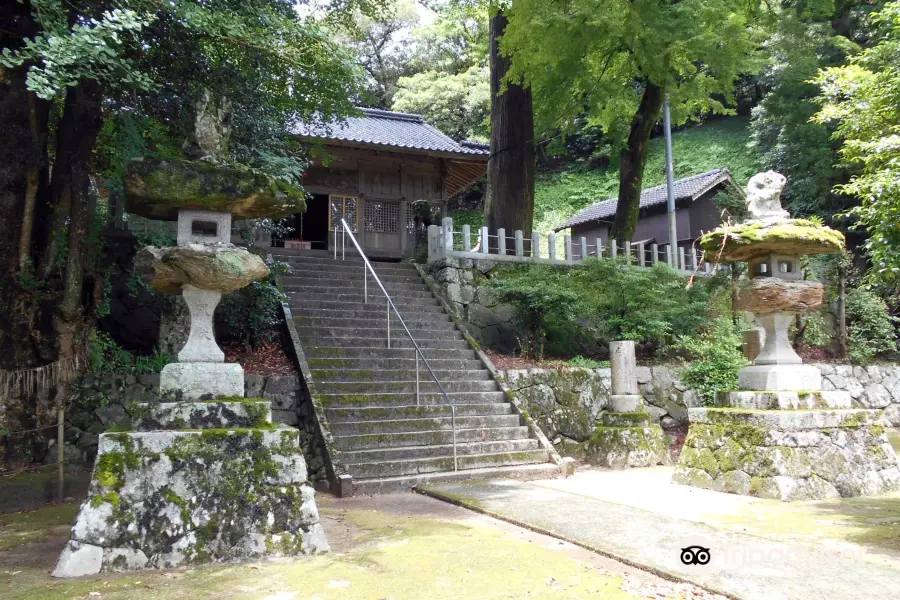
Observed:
{"x":368,"y":390}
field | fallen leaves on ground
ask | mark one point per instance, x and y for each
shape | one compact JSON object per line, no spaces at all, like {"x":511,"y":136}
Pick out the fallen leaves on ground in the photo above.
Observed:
{"x":269,"y":358}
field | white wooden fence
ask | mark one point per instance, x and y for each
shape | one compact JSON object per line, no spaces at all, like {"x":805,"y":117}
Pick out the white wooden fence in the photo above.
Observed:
{"x":444,"y":243}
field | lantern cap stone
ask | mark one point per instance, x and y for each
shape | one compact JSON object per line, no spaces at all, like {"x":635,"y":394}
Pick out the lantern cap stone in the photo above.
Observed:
{"x":158,"y":188}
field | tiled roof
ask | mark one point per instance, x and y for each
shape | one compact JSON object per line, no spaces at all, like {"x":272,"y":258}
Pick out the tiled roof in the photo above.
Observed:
{"x":385,"y":128}
{"x":690,"y":187}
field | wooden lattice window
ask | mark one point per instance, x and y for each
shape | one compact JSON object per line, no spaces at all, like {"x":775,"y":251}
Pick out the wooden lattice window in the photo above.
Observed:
{"x":345,"y":207}
{"x":381,"y":217}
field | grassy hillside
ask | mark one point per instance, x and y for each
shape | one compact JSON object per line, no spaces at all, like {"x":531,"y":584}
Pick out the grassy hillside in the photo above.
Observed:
{"x":721,"y":143}
{"x":704,"y":147}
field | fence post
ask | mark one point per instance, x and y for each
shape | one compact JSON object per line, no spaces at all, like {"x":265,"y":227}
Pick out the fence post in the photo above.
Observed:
{"x":448,"y":236}
{"x":584,"y":248}
{"x":681,"y":258}
{"x":642,"y":259}
{"x":628,"y":253}
{"x":669,"y":255}
{"x":520,"y":243}
{"x":467,"y":237}
{"x":613,"y":249}
{"x":599,"y":243}
{"x":535,"y":244}
{"x":61,"y":450}
{"x":433,"y":247}
{"x":501,"y":242}
{"x":654,"y":250}
{"x":551,"y":245}
{"x":694,"y":259}
{"x":707,"y":267}
{"x":568,"y":246}
{"x":485,"y":241}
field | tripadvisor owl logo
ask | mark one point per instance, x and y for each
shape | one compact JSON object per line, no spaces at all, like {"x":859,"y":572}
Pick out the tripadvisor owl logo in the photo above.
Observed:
{"x":695,"y":555}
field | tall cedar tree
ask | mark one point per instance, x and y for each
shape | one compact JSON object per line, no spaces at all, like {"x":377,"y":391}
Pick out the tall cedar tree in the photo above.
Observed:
{"x":510,"y":197}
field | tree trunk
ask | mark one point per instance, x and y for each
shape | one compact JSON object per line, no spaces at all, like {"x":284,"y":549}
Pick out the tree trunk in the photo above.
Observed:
{"x":510,"y":199}
{"x":70,"y":185}
{"x":631,"y":166}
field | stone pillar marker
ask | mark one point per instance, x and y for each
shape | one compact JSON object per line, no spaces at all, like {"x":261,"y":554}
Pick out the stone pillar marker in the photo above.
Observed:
{"x":625,"y":396}
{"x":626,"y":437}
{"x":780,"y":435}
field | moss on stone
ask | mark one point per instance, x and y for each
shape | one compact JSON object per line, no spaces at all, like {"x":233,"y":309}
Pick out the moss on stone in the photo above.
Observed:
{"x":758,"y":238}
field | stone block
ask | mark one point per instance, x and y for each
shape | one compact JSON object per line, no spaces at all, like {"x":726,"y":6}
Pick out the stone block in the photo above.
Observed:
{"x":623,"y":447}
{"x":780,"y":378}
{"x":785,"y":400}
{"x":78,"y":559}
{"x":195,"y":379}
{"x":625,"y":403}
{"x":203,"y":415}
{"x":203,"y":227}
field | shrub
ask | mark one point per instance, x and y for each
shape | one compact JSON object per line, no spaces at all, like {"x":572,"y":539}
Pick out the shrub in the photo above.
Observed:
{"x":587,"y":363}
{"x":815,"y":331}
{"x":540,"y":296}
{"x":716,"y":359}
{"x":252,"y":314}
{"x":871,"y":327}
{"x":106,"y":356}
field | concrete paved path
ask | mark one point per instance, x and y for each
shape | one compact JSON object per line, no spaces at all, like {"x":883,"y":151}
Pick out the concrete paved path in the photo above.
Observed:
{"x":740,"y":566}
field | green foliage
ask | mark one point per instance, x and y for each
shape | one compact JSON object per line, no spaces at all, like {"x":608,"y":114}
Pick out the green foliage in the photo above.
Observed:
{"x":106,"y":356}
{"x":599,"y":301}
{"x":587,"y":61}
{"x":716,"y":144}
{"x":861,"y":100}
{"x":651,"y":306}
{"x":542,"y":297}
{"x":587,"y":363}
{"x":457,"y":104}
{"x":808,"y":37}
{"x":815,"y":331}
{"x":871,"y":327}
{"x":716,"y":357}
{"x":252,"y":314}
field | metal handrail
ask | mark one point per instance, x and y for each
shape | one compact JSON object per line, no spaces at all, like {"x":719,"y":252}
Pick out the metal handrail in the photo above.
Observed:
{"x":390,"y":306}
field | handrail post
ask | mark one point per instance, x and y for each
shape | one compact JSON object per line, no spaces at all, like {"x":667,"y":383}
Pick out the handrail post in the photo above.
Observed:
{"x":417,"y":379}
{"x":388,"y":321}
{"x":453,"y":426}
{"x":343,"y":244}
{"x":335,"y":242}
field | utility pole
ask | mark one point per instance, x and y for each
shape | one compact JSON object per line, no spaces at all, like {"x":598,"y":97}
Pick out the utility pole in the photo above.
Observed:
{"x":670,"y":184}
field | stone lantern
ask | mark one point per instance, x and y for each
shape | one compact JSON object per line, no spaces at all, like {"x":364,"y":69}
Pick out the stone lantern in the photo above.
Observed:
{"x":780,"y":435}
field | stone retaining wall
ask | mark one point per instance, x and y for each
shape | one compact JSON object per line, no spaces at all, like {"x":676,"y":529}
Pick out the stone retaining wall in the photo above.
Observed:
{"x":106,"y":401}
{"x":567,"y":403}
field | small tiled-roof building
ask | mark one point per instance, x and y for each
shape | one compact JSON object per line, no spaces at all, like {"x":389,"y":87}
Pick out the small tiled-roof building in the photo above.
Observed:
{"x":386,"y":173}
{"x":695,"y":211}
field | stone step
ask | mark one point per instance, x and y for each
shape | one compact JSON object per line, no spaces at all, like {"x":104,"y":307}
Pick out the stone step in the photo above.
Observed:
{"x":428,"y":438}
{"x":407,"y":374}
{"x":399,"y":387}
{"x":413,"y":452}
{"x":397,"y":343}
{"x":441,"y":323}
{"x":406,"y":399}
{"x":393,"y":363}
{"x":455,"y":351}
{"x":248,"y":413}
{"x":421,"y":305}
{"x":374,"y":330}
{"x":354,"y":277}
{"x":337,"y":415}
{"x":368,"y":316}
{"x":400,"y":298}
{"x":333,"y":266}
{"x":345,"y":284}
{"x":395,"y":468}
{"x":345,"y":428}
{"x":404,"y":483}
{"x":352,"y":260}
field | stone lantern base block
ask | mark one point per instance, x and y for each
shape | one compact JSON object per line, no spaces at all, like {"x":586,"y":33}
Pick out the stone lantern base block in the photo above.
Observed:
{"x":785,"y":400}
{"x":788,"y":454}
{"x":780,"y":378}
{"x":196,"y":379}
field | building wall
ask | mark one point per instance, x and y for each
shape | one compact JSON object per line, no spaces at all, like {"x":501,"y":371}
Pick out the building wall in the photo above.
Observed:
{"x":705,"y":215}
